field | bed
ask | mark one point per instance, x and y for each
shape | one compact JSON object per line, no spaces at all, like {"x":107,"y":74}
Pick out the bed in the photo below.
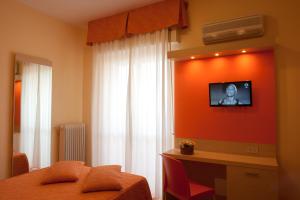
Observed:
{"x":28,"y":187}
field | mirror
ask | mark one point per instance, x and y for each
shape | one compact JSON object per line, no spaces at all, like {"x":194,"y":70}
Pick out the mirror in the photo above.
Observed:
{"x":31,"y":114}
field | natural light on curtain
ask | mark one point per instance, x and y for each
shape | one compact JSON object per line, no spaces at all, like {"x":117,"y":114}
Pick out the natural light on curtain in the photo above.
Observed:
{"x":132,"y":108}
{"x":36,"y":97}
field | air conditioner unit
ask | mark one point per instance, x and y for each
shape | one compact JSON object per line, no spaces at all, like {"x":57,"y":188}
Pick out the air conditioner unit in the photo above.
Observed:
{"x":235,"y":29}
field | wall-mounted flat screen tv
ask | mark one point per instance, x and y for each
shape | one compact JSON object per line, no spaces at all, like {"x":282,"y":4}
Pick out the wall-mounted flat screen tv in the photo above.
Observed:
{"x":230,"y":93}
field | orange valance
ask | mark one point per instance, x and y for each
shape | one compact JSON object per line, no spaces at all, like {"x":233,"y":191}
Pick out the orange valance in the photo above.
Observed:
{"x":157,"y":16}
{"x":107,"y":29}
{"x":164,"y":14}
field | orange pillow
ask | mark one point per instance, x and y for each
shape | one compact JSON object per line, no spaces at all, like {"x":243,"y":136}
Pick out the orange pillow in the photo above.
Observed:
{"x":63,"y":171}
{"x":103,"y":178}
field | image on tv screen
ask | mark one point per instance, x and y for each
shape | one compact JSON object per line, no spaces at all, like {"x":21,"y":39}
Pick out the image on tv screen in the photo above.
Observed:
{"x":230,"y":94}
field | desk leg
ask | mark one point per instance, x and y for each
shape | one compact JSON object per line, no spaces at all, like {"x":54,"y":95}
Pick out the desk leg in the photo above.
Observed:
{"x":164,"y":195}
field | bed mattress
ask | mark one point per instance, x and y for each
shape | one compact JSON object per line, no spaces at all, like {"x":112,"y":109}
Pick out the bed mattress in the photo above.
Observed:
{"x":28,"y":187}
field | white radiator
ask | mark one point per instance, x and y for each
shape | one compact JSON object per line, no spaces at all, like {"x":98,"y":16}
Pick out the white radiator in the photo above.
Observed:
{"x":72,"y":142}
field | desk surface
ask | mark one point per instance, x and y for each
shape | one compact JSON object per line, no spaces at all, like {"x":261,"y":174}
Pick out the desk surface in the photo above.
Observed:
{"x":226,"y":159}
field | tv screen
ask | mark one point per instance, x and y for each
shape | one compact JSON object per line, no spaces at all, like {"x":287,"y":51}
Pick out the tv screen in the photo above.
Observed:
{"x":230,"y":94}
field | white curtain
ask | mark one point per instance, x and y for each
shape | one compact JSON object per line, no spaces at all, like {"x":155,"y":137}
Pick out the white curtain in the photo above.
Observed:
{"x":132,"y":108}
{"x":35,"y":138}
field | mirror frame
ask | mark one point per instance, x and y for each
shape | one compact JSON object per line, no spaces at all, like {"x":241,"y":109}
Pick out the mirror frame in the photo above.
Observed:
{"x":22,"y":58}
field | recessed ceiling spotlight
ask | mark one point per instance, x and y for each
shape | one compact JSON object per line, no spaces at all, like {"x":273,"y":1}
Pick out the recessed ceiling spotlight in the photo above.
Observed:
{"x":217,"y":54}
{"x":241,"y":32}
{"x":192,"y":57}
{"x":213,"y":35}
{"x":244,"y":51}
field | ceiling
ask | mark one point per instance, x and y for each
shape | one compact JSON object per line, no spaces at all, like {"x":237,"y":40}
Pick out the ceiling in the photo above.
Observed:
{"x":79,"y":12}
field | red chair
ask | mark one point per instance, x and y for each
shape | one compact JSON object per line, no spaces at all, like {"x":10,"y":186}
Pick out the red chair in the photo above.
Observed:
{"x":178,"y":185}
{"x":19,"y":164}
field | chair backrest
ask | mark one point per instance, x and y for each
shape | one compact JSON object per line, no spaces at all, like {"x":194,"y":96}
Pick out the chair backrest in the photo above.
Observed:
{"x":175,"y":181}
{"x":20,"y":164}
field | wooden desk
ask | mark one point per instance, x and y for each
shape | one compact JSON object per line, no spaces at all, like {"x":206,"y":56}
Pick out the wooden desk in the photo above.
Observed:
{"x":227,"y":159}
{"x":248,"y":177}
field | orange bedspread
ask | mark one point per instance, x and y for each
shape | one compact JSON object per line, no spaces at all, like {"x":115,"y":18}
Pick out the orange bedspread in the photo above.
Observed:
{"x":28,"y":187}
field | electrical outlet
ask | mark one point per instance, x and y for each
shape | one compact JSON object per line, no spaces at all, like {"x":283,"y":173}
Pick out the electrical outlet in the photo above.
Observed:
{"x":252,"y":148}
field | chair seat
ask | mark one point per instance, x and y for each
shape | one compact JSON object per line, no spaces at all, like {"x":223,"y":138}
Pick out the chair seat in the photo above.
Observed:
{"x":200,"y":191}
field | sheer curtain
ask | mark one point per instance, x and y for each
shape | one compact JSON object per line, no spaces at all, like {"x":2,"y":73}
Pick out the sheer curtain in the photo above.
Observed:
{"x":35,"y":135}
{"x":132,"y":109}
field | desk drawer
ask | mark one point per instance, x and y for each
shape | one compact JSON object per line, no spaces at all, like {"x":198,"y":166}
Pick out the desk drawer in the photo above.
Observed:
{"x":248,"y":184}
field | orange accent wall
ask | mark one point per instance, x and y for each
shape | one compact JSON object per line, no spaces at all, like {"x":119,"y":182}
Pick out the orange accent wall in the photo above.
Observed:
{"x":196,"y":119}
{"x":17,"y":112}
